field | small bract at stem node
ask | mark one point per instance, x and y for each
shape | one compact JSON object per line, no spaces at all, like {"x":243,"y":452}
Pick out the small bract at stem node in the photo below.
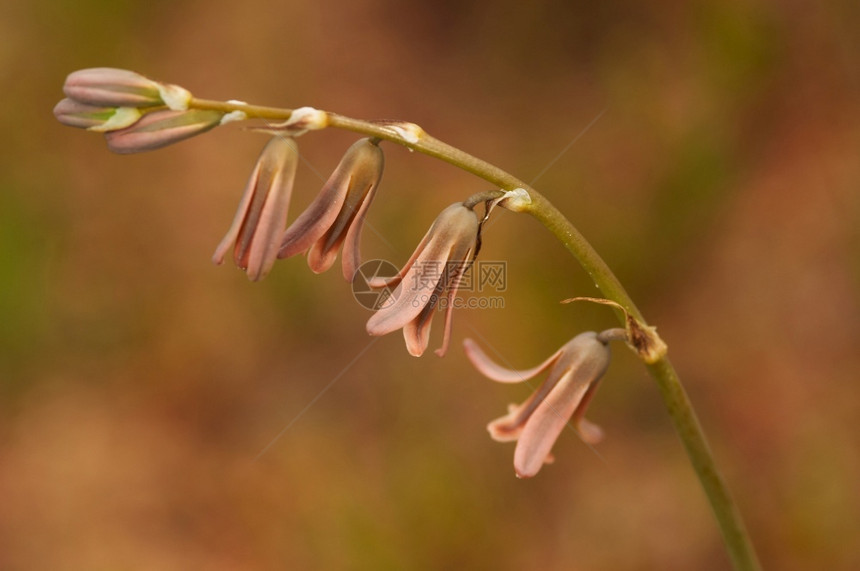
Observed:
{"x":642,"y":338}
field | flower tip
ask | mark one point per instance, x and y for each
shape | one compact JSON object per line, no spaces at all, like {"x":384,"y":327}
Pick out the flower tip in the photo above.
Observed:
{"x":371,"y":329}
{"x":528,"y":465}
{"x":415,"y":349}
{"x":417,"y":337}
{"x":589,"y":432}
{"x":523,"y":475}
{"x":530,"y":470}
{"x":256,"y":276}
{"x":221,"y":251}
{"x":502,"y":429}
{"x":378,"y":325}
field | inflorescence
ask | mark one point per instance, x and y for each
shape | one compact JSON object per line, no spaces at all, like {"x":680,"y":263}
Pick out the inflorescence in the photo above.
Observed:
{"x":138,"y":114}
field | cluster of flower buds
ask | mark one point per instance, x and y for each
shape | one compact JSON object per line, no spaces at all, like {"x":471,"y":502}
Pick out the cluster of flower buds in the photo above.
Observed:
{"x":134,"y":112}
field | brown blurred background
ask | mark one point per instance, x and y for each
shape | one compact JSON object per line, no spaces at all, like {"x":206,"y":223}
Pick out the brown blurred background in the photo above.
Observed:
{"x":139,"y":383}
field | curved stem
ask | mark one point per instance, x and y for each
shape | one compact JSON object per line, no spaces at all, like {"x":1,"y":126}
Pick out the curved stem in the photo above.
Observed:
{"x":684,"y":419}
{"x":687,"y":426}
{"x":677,"y":403}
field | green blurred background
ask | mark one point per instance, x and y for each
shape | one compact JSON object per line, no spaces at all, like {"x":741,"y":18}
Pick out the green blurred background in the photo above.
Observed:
{"x":139,"y":383}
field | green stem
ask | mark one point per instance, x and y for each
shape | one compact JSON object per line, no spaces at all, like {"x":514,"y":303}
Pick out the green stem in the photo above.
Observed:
{"x":684,"y":419}
{"x":677,"y":403}
{"x":252,"y":111}
{"x":687,"y":425}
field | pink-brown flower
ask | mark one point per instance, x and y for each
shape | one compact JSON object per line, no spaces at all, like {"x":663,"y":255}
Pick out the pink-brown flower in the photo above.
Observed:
{"x":255,"y":234}
{"x":337,"y":214}
{"x":434,"y":270}
{"x":574,"y":372}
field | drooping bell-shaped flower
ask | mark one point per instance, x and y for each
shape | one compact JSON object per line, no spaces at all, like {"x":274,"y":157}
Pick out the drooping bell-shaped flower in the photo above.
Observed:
{"x":574,"y":372}
{"x":434,"y":271}
{"x":337,"y":214}
{"x":255,"y":234}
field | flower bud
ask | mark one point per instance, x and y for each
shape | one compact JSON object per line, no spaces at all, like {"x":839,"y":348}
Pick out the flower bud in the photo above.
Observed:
{"x":158,"y":129}
{"x":109,"y":87}
{"x":76,"y":114}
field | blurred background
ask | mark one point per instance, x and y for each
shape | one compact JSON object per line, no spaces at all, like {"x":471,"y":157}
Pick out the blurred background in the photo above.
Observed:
{"x":158,"y":412}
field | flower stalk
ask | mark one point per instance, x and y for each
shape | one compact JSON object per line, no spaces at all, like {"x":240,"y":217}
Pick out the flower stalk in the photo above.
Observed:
{"x":523,"y":198}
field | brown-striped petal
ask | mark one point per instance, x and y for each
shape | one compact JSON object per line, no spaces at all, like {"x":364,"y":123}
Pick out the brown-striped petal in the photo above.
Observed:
{"x":257,"y":228}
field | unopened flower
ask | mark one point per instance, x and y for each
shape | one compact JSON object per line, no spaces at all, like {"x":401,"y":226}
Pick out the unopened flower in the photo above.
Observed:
{"x":574,"y":371}
{"x":337,"y":215}
{"x":160,"y":128}
{"x":76,"y":114}
{"x":110,"y":87}
{"x":434,"y":270}
{"x":255,"y":234}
